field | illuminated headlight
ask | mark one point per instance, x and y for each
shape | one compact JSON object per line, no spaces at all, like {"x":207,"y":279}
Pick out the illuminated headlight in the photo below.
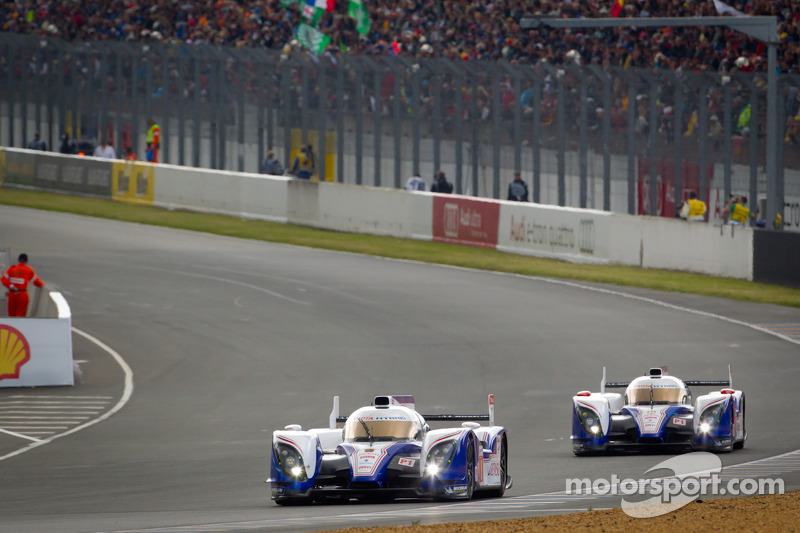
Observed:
{"x":711,"y":417}
{"x":590,"y":421}
{"x":440,"y":457}
{"x":290,"y":462}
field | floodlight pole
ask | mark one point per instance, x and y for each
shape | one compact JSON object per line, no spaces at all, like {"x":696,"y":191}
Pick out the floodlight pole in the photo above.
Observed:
{"x":762,"y":28}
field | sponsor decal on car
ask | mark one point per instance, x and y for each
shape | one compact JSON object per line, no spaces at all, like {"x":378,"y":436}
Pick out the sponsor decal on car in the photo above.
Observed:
{"x":403,"y":461}
{"x":454,"y":489}
{"x":651,"y":420}
{"x":679,"y":421}
{"x":367,"y":460}
{"x":492,"y":469}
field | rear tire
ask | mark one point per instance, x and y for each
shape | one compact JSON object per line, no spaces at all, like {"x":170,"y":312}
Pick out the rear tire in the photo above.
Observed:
{"x":739,"y":445}
{"x":498,"y":493}
{"x":470,"y":469}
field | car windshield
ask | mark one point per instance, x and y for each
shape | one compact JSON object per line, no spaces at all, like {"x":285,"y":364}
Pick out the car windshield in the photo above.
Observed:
{"x":661,"y":395}
{"x":365,"y":428}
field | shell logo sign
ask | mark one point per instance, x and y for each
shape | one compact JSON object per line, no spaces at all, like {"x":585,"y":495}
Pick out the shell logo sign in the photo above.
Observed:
{"x":14,"y":352}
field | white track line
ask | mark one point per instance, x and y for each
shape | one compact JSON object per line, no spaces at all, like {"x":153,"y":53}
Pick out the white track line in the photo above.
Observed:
{"x":18,"y":435}
{"x":602,"y":290}
{"x":126,"y":394}
{"x":669,"y":306}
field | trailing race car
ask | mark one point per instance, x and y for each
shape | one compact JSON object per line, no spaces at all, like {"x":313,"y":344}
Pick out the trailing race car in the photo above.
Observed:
{"x":387,"y":451}
{"x":657,"y":411}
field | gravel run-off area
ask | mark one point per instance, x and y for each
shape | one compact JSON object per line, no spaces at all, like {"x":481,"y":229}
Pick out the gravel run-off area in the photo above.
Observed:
{"x":754,"y":514}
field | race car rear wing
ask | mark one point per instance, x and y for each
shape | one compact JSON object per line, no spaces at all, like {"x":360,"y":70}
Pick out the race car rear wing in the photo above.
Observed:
{"x":689,"y":383}
{"x":335,"y":418}
{"x":719,"y":383}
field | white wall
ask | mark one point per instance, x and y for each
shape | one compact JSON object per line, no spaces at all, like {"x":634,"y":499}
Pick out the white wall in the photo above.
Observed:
{"x":535,"y":229}
{"x":46,"y":342}
{"x":572,"y":234}
{"x":219,"y":191}
{"x":589,"y":236}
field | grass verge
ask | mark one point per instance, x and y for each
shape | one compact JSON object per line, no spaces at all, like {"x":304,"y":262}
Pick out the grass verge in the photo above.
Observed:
{"x":431,"y":252}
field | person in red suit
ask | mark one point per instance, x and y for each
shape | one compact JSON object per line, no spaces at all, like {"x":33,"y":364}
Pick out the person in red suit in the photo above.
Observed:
{"x":16,"y":279}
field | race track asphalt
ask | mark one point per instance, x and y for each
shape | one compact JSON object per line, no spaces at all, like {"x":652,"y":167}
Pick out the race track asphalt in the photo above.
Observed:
{"x":230,"y":339}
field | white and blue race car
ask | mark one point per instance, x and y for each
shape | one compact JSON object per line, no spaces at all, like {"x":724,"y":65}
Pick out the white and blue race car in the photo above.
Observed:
{"x":387,"y":450}
{"x":657,"y":411}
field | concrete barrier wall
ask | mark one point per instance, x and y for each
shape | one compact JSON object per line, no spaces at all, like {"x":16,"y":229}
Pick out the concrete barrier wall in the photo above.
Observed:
{"x":533,"y":229}
{"x":581,"y":235}
{"x":217,"y":191}
{"x":377,"y":211}
{"x":44,"y":170}
{"x":584,"y":235}
{"x":38,"y":351}
{"x":703,"y":248}
{"x":776,"y":257}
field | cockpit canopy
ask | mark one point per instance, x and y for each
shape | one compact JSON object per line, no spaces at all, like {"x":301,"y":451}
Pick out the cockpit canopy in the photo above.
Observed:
{"x":658,"y":391}
{"x":376,"y":424}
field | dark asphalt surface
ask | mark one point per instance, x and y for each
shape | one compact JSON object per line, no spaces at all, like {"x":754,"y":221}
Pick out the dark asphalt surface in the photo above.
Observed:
{"x":230,"y":339}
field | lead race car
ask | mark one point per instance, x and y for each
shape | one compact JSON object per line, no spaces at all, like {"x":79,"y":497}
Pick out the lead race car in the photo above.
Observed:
{"x":387,"y":450}
{"x":657,"y":411}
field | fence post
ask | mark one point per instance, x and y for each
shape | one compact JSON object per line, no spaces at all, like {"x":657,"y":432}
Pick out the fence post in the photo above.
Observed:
{"x":677,"y":114}
{"x":631,"y":145}
{"x":359,"y":122}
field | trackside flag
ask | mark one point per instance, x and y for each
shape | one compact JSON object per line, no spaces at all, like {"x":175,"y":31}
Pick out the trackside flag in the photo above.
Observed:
{"x":327,"y":5}
{"x":311,"y":13}
{"x":616,"y":8}
{"x":358,"y":12}
{"x":312,"y":38}
{"x":724,"y":9}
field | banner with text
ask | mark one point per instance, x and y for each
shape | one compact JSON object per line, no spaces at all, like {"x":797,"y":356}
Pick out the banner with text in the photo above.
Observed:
{"x":463,"y":220}
{"x":548,"y":231}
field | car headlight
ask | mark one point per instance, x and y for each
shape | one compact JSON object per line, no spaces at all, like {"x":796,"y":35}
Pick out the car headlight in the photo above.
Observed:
{"x":710,"y":417}
{"x":440,"y":457}
{"x":290,"y":462}
{"x":590,"y":421}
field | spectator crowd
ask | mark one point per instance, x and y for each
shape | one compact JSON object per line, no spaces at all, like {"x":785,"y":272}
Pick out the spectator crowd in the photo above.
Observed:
{"x":456,"y":29}
{"x":462,"y":31}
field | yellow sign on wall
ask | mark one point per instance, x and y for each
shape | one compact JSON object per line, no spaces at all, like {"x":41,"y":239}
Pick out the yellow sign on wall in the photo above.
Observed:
{"x":313,"y":140}
{"x":2,"y":166}
{"x":133,"y":182}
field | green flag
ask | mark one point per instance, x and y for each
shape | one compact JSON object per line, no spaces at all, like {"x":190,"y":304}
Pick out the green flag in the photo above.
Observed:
{"x":311,"y":13}
{"x":312,"y":38}
{"x":289,"y":3}
{"x":357,"y":11}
